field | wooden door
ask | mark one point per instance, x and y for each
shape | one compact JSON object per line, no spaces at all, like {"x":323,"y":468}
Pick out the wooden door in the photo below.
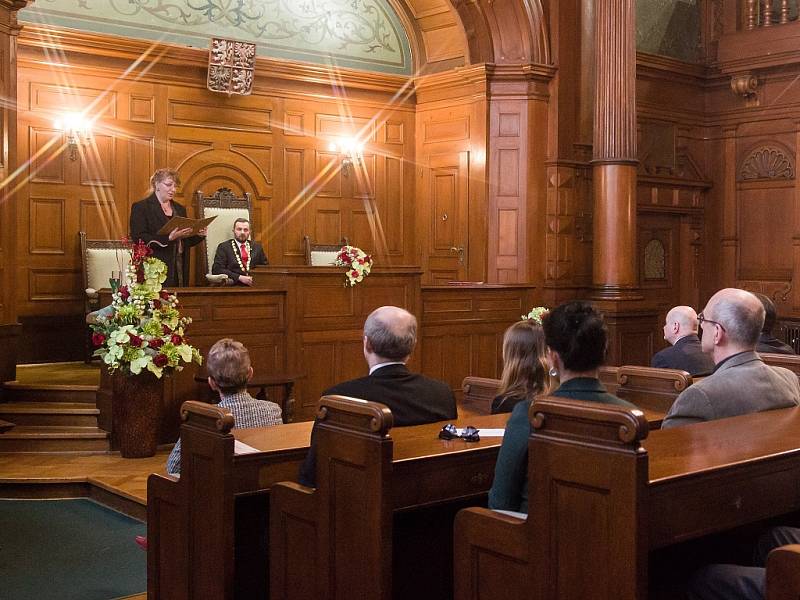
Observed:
{"x":659,"y":260}
{"x":448,"y":197}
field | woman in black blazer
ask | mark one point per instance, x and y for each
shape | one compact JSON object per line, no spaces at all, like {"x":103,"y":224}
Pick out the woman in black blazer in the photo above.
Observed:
{"x":148,"y":216}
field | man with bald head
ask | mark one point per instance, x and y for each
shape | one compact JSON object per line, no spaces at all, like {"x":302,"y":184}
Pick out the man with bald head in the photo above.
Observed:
{"x":685,"y":352}
{"x":390,"y":334}
{"x":741,"y":383}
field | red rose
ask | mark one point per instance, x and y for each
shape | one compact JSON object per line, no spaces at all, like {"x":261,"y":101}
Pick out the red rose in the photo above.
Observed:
{"x":139,"y":274}
{"x":136,"y":341}
{"x":166,"y":329}
{"x":354,"y":273}
{"x":98,"y":339}
{"x":156,"y":343}
{"x":156,"y":304}
{"x":160,"y":360}
{"x":164,"y":294}
{"x":176,"y":339}
{"x":124,"y":292}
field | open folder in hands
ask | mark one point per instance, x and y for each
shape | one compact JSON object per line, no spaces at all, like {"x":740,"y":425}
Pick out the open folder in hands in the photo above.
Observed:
{"x":183,"y":223}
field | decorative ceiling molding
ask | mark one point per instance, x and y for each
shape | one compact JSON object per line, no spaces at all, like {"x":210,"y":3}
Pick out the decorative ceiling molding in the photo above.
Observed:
{"x":360,"y":34}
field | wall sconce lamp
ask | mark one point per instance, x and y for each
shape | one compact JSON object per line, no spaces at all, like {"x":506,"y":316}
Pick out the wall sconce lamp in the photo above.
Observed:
{"x":351,"y":152}
{"x":77,"y":128}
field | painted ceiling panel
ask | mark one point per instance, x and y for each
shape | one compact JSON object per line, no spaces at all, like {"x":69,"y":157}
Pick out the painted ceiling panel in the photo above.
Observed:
{"x":361,"y":34}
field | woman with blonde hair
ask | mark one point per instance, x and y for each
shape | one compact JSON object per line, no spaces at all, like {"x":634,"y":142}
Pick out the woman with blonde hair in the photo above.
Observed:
{"x":524,"y":366}
{"x":148,"y":216}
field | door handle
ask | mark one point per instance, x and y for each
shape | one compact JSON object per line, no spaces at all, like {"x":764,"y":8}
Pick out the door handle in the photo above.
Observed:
{"x":460,"y":251}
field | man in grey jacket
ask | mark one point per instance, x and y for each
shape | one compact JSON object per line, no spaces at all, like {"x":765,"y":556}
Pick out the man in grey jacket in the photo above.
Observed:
{"x":741,"y":383}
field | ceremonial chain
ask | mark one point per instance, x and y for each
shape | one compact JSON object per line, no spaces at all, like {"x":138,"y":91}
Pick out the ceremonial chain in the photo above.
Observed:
{"x":244,"y":268}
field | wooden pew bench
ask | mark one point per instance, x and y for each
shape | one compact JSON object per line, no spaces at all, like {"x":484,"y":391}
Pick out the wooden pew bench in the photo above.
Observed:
{"x":338,"y":540}
{"x":652,"y":390}
{"x":602,"y":497}
{"x":787,"y":361}
{"x":207,"y":530}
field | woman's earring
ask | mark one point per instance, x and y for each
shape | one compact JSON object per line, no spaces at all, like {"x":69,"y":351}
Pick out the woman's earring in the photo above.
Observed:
{"x":553,"y":372}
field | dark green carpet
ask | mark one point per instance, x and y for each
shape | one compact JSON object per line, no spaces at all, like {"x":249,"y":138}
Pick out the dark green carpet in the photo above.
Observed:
{"x":68,"y":549}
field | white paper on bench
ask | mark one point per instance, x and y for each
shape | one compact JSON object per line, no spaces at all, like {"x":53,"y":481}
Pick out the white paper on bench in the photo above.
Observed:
{"x":242,"y":448}
{"x":486,"y":432}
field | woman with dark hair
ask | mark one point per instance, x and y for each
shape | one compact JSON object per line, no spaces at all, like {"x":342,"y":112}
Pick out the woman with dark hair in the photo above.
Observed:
{"x":524,"y":366}
{"x":148,"y":216}
{"x":576,"y":339}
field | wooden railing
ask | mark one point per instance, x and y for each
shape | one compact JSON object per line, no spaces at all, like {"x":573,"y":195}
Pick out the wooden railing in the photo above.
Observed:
{"x":766,"y":13}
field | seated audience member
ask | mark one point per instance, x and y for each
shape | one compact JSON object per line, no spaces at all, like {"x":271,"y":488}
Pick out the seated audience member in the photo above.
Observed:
{"x":524,"y":366}
{"x":235,"y":257}
{"x":229,"y":370}
{"x":734,"y":582}
{"x":684,"y":352}
{"x":576,"y":339}
{"x":766,"y":341}
{"x":390,"y":334}
{"x":741,"y":383}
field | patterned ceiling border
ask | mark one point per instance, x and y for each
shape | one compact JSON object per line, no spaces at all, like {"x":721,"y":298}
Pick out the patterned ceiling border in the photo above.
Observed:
{"x":359,"y":34}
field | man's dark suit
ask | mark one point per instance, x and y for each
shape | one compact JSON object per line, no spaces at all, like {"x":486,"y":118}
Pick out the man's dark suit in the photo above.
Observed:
{"x":226,"y":263}
{"x":687,"y":355}
{"x":146,"y":219}
{"x":413,"y":399}
{"x":772,"y":345}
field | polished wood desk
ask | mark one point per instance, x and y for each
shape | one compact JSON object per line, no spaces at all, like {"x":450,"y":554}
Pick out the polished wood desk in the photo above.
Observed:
{"x":624,"y":496}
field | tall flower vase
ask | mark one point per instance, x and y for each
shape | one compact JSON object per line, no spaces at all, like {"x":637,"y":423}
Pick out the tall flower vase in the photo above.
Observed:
{"x":136,"y":410}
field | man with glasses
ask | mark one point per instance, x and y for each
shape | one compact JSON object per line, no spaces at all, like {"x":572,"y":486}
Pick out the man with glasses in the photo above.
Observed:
{"x":741,"y":383}
{"x":684,"y":352}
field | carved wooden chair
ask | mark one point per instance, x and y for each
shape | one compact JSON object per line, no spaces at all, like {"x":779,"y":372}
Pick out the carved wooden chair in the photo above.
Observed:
{"x":227,"y":207}
{"x":321,"y":255}
{"x":99,"y":259}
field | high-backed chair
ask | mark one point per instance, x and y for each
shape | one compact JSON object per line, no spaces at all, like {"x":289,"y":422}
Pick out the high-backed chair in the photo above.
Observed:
{"x":99,"y":259}
{"x":321,"y":255}
{"x":227,"y":207}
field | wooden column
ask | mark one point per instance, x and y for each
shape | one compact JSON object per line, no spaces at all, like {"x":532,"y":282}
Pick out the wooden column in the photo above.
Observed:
{"x":8,"y":183}
{"x":614,"y":151}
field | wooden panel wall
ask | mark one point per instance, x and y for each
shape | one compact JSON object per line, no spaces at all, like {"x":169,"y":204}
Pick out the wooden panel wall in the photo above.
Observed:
{"x":451,"y":159}
{"x":273,"y":144}
{"x":462,"y":329}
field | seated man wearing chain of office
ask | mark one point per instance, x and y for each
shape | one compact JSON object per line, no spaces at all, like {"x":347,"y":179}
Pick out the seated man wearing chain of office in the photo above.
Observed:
{"x":235,"y":257}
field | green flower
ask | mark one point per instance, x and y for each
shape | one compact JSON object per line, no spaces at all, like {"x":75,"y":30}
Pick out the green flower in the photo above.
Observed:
{"x":535,"y":314}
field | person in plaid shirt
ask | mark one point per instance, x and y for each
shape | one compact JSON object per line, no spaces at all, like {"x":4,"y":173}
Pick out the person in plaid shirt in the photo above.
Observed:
{"x":229,"y":370}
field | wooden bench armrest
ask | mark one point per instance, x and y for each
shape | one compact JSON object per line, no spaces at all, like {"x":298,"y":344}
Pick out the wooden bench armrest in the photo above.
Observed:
{"x":490,"y":555}
{"x":167,"y":543}
{"x":783,"y":573}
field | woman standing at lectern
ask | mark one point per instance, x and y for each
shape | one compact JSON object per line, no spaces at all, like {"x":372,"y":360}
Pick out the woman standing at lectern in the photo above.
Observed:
{"x":148,"y":216}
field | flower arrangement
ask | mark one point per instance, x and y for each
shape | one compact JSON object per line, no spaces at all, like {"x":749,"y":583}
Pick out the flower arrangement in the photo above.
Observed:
{"x":357,"y":263}
{"x":143,"y":330}
{"x":535,"y":314}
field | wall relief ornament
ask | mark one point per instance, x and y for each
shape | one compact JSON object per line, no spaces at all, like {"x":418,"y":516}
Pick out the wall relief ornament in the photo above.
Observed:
{"x":230,"y":66}
{"x":767,"y":162}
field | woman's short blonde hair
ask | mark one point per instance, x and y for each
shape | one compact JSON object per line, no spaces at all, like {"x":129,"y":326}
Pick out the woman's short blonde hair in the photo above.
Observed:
{"x":228,"y":364}
{"x":162,"y":174}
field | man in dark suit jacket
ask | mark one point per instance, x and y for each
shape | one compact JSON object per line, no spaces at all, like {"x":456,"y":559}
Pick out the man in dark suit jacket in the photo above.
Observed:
{"x":766,"y":341}
{"x":741,"y":383}
{"x":685,"y":352}
{"x":390,"y":334}
{"x":235,"y":257}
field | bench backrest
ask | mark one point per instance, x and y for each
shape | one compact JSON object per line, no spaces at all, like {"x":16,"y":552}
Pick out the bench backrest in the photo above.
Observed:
{"x":651,"y":388}
{"x":478,"y":395}
{"x":338,"y":535}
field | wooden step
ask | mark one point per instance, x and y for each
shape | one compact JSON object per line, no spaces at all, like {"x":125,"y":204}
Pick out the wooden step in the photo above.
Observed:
{"x":61,"y":414}
{"x":14,"y":391}
{"x":54,"y":439}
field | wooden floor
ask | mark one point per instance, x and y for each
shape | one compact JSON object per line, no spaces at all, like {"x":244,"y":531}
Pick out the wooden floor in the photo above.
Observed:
{"x":126,"y":477}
